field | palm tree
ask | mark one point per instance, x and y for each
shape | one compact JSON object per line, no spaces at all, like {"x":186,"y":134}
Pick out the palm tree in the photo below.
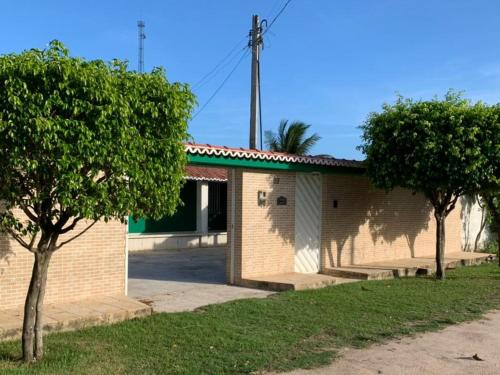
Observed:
{"x":291,"y":139}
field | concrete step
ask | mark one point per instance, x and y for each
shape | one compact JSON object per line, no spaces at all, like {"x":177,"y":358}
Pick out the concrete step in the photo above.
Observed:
{"x":360,"y":273}
{"x":455,"y":263}
{"x":406,"y":267}
{"x":75,"y":315}
{"x":289,"y":281}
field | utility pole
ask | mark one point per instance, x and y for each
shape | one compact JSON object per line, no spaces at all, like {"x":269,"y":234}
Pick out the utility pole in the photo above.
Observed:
{"x":255,"y":43}
{"x":142,"y":36}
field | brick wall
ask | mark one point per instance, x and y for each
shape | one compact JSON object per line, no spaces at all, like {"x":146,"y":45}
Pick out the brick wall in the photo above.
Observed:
{"x":371,"y":225}
{"x":264,"y":236}
{"x":92,"y":265}
{"x":368,"y":224}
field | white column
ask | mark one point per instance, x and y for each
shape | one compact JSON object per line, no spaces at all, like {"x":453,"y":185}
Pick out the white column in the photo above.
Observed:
{"x":202,"y":207}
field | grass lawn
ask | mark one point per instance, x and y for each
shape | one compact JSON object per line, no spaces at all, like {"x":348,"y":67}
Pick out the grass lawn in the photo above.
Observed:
{"x":286,"y":331}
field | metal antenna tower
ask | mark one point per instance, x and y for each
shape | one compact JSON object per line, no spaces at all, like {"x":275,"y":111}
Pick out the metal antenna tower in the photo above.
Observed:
{"x":142,"y":36}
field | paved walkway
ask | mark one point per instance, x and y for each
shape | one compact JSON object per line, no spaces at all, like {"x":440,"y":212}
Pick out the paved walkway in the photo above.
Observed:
{"x":389,"y":269}
{"x":75,"y":315}
{"x":183,"y":280}
{"x":446,"y":352}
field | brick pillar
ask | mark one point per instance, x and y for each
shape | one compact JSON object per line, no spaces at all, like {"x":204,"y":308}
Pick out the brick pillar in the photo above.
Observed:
{"x":234,"y":221}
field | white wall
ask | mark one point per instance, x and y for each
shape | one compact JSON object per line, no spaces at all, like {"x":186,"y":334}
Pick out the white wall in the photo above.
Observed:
{"x":169,"y":241}
{"x":475,"y":232}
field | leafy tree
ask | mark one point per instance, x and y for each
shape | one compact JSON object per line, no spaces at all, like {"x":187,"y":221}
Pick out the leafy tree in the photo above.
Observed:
{"x":291,"y":139}
{"x":434,"y":147}
{"x":490,"y":190}
{"x":82,"y":141}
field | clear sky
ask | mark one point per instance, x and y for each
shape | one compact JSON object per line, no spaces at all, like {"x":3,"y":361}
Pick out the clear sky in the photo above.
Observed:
{"x":326,"y":62}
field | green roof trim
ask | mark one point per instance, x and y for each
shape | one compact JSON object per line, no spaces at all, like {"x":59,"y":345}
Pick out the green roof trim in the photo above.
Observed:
{"x":228,"y":162}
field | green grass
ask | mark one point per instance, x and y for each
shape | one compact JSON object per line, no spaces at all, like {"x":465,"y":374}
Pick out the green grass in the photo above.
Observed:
{"x":286,"y":331}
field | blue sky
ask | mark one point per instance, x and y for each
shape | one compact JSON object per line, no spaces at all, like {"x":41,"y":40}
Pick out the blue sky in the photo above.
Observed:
{"x":326,"y":62}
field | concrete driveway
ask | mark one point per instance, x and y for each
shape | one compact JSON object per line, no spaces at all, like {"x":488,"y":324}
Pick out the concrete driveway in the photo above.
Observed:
{"x":182,"y":280}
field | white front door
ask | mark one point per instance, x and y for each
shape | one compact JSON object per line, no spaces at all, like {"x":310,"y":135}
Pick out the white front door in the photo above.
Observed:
{"x":307,"y":222}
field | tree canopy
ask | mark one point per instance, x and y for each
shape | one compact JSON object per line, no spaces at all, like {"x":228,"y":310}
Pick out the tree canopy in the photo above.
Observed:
{"x":90,"y":139}
{"x":428,"y":146}
{"x":84,"y":140}
{"x":291,"y":138}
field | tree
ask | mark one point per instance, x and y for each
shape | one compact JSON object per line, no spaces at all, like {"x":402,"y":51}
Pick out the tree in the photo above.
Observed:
{"x":82,"y":141}
{"x":433,"y":147}
{"x":291,"y":139}
{"x":492,"y":201}
{"x":490,"y":190}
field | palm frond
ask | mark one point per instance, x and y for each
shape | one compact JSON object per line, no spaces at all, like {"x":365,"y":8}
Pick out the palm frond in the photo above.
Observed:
{"x":291,"y":138}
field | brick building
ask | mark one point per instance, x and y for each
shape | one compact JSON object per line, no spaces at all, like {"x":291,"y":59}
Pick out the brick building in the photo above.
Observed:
{"x":285,"y":214}
{"x":290,"y":213}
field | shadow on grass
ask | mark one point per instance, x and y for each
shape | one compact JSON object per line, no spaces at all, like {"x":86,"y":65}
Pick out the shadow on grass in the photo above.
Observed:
{"x":7,"y":357}
{"x":494,"y":275}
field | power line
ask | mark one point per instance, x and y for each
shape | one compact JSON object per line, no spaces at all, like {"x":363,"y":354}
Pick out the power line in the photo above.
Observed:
{"x":275,"y":6}
{"x":277,"y":16}
{"x":245,"y":54}
{"x":215,"y":72}
{"x":219,"y":66}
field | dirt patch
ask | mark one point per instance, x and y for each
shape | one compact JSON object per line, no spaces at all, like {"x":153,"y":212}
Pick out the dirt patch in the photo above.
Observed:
{"x":469,"y":348}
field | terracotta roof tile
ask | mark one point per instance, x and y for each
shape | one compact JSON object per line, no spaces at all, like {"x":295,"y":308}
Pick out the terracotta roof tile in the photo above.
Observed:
{"x":194,"y":172}
{"x":243,"y":153}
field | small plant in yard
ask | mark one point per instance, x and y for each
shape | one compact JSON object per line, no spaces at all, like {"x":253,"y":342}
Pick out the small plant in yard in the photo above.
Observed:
{"x":82,"y":141}
{"x":490,"y":247}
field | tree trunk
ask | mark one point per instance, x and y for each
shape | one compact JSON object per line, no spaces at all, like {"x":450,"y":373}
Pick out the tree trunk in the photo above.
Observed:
{"x":498,"y":246}
{"x":440,"y":243}
{"x":30,"y":312}
{"x":32,"y":323}
{"x":39,"y":306}
{"x":497,"y":230}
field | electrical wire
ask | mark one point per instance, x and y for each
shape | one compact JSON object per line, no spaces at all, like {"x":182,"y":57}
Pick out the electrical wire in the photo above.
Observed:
{"x":277,"y":4}
{"x":268,"y":27}
{"x":277,"y":16}
{"x":220,"y":65}
{"x":245,"y":54}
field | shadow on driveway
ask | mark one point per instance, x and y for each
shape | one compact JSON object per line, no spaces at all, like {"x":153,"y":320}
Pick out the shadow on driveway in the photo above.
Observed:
{"x":183,"y":280}
{"x":189,"y":265}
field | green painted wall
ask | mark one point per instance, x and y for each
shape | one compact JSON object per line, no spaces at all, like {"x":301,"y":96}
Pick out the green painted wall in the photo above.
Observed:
{"x":184,"y":220}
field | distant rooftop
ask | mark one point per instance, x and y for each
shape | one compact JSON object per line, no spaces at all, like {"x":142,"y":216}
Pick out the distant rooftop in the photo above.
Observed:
{"x":197,"y":173}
